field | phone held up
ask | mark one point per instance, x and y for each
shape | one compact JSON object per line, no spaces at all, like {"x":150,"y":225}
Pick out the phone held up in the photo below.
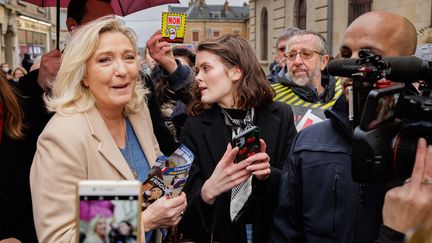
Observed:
{"x":109,"y":211}
{"x":248,"y":143}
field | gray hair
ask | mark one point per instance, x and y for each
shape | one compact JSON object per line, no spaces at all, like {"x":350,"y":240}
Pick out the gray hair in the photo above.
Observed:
{"x":322,"y":44}
{"x":286,"y":34}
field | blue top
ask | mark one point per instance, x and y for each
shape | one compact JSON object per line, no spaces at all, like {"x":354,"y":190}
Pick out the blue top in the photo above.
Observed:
{"x":134,"y":155}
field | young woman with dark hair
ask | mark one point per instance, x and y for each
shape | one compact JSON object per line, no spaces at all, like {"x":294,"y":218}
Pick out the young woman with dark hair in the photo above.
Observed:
{"x":231,"y":94}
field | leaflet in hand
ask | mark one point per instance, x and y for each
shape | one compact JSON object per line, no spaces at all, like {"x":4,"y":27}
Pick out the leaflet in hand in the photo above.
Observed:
{"x":167,"y":176}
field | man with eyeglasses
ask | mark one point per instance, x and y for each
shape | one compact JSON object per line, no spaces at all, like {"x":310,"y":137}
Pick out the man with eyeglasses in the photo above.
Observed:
{"x":318,"y":199}
{"x":279,"y":62}
{"x":304,"y":86}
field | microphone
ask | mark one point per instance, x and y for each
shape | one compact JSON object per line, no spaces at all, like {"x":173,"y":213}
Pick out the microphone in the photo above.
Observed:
{"x":399,"y":69}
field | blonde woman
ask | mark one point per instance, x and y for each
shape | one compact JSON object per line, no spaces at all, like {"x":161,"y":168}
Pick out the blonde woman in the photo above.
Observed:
{"x":101,"y":130}
{"x":97,"y":230}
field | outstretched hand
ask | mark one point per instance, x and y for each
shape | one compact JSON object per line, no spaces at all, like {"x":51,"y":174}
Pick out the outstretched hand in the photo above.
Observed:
{"x":49,"y":66}
{"x":407,"y":206}
{"x":161,"y":52}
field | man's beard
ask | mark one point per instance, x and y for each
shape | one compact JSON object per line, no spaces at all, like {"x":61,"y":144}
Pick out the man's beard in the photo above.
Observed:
{"x":305,"y":80}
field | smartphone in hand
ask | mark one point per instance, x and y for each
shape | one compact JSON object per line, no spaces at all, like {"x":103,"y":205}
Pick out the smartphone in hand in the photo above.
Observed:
{"x":248,"y":143}
{"x":109,"y":209}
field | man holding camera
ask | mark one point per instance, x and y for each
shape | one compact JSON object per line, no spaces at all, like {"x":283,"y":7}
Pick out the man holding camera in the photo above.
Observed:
{"x":319,"y":201}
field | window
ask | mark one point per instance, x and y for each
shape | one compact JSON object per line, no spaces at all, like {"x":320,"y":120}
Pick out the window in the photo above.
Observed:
{"x":264,"y":34}
{"x":215,"y":14}
{"x":357,"y":8}
{"x":236,"y":31}
{"x":216,"y":33}
{"x":300,"y":14}
{"x":195,"y":36}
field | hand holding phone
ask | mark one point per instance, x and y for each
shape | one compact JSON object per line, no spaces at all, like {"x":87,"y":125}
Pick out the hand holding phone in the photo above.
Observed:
{"x":248,"y":143}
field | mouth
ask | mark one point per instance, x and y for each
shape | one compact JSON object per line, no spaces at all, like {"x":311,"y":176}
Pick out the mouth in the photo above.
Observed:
{"x":299,"y":72}
{"x":202,"y":89}
{"x":120,"y":86}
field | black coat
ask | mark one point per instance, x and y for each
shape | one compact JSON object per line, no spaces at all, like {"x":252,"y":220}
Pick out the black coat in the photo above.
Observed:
{"x":208,"y":136}
{"x":16,"y":212}
{"x":318,"y":200}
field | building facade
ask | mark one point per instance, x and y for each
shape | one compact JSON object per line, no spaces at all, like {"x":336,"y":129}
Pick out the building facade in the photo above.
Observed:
{"x":205,"y":21}
{"x":26,"y":28}
{"x":329,"y":17}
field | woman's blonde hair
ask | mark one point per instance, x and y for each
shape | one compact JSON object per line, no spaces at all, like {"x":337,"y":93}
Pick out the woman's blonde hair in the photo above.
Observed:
{"x":68,"y":88}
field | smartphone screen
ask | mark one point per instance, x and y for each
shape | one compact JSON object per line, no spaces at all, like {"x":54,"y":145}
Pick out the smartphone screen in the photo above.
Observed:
{"x":108,"y":211}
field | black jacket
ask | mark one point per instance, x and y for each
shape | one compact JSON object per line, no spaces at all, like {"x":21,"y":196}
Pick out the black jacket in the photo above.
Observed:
{"x":318,"y":200}
{"x":207,"y":136}
{"x":16,"y":211}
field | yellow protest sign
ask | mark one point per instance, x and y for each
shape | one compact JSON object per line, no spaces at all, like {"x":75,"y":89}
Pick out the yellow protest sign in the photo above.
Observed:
{"x":173,"y":27}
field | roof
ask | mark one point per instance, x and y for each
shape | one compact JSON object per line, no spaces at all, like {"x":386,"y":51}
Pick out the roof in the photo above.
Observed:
{"x":212,"y":12}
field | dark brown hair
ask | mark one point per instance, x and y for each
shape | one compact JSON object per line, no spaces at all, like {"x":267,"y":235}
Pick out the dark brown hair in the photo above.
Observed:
{"x":12,"y":114}
{"x":253,"y":89}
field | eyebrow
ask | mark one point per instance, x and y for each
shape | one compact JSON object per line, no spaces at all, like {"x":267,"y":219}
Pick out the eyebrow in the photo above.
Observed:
{"x":103,"y":52}
{"x":201,"y":64}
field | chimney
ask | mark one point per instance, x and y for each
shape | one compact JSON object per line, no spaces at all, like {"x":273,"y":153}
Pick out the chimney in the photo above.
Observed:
{"x":226,"y":7}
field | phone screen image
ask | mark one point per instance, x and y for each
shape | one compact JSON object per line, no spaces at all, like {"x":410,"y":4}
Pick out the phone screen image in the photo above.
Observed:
{"x":385,"y":110}
{"x":380,"y":107}
{"x":108,"y":218}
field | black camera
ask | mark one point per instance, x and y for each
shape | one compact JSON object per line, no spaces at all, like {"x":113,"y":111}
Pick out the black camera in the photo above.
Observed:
{"x":387,"y":122}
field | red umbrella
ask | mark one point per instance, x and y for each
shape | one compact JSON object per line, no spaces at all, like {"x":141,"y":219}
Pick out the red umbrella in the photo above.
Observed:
{"x":121,"y":7}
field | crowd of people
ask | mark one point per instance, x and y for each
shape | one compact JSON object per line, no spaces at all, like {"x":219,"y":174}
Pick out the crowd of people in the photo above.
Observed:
{"x":93,"y":111}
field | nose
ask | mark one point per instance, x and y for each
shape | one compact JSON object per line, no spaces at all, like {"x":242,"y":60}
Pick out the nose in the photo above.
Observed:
{"x":198,"y":77}
{"x":120,"y":68}
{"x":298,"y":59}
{"x":354,"y":55}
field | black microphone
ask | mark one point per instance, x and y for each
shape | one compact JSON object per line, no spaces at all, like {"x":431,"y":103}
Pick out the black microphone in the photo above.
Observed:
{"x":399,"y":69}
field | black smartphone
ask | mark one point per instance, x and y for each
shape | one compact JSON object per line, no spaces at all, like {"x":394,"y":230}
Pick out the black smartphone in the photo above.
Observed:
{"x":248,"y":143}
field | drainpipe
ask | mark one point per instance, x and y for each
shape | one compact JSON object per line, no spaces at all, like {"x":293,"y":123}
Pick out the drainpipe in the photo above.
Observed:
{"x":330,"y":26}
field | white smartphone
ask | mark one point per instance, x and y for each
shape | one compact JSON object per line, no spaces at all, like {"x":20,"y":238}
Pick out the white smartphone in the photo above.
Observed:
{"x":109,"y":211}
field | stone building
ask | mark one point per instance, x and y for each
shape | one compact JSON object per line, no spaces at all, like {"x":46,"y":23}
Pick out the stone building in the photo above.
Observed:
{"x":204,"y":21}
{"x":26,"y":28}
{"x":329,"y":17}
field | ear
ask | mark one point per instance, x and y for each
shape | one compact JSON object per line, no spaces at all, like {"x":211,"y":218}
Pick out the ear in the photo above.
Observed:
{"x":71,"y":24}
{"x":235,"y":73}
{"x":85,"y":82}
{"x":324,"y":61}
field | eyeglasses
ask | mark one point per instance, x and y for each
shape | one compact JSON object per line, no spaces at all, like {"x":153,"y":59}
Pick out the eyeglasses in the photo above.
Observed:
{"x":304,"y":54}
{"x":281,"y":49}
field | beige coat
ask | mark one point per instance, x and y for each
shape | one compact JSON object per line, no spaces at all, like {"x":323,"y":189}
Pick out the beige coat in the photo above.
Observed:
{"x":74,"y":148}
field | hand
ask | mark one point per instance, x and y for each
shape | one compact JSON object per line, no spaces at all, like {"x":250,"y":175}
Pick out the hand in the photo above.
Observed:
{"x":161,"y":52}
{"x":226,"y":176}
{"x":346,"y":85}
{"x":49,"y":66}
{"x":10,"y":240}
{"x":164,"y":212}
{"x":260,"y":163}
{"x":407,"y":206}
